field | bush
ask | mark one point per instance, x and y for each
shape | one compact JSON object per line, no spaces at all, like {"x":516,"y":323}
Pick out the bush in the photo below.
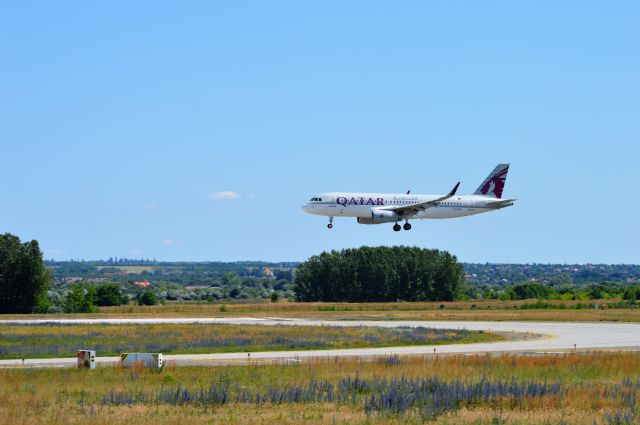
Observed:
{"x":234,"y":292}
{"x":274,"y":297}
{"x":632,"y":293}
{"x":148,"y":298}
{"x":525,"y":291}
{"x":80,"y":301}
{"x":108,"y":295}
{"x":542,"y":305}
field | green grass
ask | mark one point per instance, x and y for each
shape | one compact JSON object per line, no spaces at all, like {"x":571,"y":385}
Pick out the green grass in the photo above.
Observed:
{"x":19,"y":341}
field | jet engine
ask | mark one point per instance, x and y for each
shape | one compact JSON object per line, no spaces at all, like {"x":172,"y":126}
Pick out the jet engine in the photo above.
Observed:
{"x":380,"y":216}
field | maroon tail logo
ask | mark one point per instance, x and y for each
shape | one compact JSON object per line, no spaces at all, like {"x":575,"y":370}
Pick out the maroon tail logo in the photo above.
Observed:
{"x":495,"y":184}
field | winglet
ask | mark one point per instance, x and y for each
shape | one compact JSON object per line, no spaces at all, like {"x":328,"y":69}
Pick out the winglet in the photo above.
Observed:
{"x":454,"y":190}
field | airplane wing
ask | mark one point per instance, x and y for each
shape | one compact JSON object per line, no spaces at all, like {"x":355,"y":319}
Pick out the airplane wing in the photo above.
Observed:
{"x":412,"y":209}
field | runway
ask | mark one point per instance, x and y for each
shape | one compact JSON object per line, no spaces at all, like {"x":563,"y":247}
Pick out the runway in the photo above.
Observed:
{"x":556,"y":337}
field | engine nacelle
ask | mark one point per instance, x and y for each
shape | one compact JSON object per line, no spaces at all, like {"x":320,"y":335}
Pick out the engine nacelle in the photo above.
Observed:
{"x":379,"y":216}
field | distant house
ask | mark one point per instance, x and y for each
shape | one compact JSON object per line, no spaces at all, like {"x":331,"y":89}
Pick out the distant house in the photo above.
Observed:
{"x":267,"y":272}
{"x":71,"y":279}
{"x":142,"y":283}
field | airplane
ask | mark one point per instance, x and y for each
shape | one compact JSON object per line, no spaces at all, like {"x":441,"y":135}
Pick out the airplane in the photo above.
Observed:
{"x":378,"y":208}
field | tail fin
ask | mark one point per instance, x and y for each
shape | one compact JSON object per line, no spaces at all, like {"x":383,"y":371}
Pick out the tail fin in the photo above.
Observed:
{"x":494,"y":183}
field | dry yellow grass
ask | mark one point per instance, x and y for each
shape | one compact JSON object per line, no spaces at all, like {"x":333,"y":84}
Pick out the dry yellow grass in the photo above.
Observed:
{"x":459,"y":310}
{"x":31,"y":396}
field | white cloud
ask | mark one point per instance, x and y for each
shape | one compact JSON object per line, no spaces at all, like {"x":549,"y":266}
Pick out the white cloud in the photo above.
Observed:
{"x":152,"y":206}
{"x":224,"y":195}
{"x":169,"y":241}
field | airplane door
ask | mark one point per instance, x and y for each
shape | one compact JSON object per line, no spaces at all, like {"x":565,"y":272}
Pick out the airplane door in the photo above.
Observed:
{"x":334,"y":209}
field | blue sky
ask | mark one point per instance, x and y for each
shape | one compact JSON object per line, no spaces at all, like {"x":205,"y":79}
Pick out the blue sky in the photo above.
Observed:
{"x":119,"y":121}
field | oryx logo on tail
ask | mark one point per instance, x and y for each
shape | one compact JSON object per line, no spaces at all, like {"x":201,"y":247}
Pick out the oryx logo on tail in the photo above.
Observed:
{"x":493,"y":185}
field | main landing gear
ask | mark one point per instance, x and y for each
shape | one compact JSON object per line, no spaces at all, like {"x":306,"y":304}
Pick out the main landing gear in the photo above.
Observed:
{"x":406,"y":226}
{"x":330,"y":225}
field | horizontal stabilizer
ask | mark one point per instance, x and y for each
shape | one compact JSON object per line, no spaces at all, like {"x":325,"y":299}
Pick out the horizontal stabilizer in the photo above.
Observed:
{"x":500,"y":204}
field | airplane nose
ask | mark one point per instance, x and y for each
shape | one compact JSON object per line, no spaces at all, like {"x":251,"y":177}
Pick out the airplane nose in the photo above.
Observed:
{"x":306,"y":207}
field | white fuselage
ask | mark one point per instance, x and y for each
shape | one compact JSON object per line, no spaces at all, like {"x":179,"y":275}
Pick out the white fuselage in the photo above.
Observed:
{"x":363,"y":205}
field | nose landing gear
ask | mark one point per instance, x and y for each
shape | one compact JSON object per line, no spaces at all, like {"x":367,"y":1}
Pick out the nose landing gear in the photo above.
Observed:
{"x":330,"y":225}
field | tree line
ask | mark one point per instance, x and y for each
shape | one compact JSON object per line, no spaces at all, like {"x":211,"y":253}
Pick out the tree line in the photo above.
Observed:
{"x":541,"y":291}
{"x":362,"y":274}
{"x":86,"y":298}
{"x":380,"y":274}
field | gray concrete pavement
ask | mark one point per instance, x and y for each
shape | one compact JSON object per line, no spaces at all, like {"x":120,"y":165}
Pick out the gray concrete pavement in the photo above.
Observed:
{"x":558,"y":336}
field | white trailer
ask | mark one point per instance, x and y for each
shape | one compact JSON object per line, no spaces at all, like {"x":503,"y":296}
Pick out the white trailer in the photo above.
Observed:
{"x":150,"y":360}
{"x":86,"y":359}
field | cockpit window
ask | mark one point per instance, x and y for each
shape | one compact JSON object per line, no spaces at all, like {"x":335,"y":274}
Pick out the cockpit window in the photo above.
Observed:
{"x":315,"y":200}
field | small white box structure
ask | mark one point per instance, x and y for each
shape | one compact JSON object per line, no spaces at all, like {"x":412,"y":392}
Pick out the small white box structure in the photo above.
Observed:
{"x":151,"y":360}
{"x":86,"y":359}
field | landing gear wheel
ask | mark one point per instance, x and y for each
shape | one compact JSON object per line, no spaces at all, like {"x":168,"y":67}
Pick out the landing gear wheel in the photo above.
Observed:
{"x":406,"y":226}
{"x":330,"y":226}
{"x":396,"y":227}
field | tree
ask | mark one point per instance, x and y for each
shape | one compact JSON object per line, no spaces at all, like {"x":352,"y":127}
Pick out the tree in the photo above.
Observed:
{"x":530,"y":290}
{"x":229,"y":279}
{"x":632,"y":293}
{"x":560,"y":280}
{"x":380,"y":274}
{"x":284,"y":275}
{"x":148,"y":298}
{"x":80,"y":301}
{"x":108,"y":295}
{"x":234,"y":292}
{"x":274,"y":297}
{"x":24,"y":280}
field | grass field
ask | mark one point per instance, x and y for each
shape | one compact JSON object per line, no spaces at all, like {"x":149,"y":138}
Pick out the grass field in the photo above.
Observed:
{"x":600,"y":388}
{"x":530,"y":310}
{"x":463,"y":310}
{"x":131,"y":269}
{"x":18,"y":341}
